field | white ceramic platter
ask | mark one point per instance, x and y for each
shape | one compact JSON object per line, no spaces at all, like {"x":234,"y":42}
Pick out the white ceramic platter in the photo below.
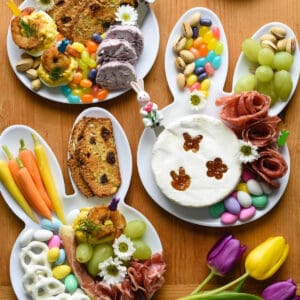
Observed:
{"x":144,"y":64}
{"x":11,"y":136}
{"x":178,"y":109}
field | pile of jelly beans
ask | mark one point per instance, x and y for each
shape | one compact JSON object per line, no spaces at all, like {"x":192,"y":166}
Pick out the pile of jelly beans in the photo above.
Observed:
{"x":199,"y":52}
{"x":250,"y":195}
{"x":83,"y":88}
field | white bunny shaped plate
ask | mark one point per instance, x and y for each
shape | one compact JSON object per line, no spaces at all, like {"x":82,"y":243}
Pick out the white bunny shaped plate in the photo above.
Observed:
{"x":181,"y":108}
{"x":11,"y":136}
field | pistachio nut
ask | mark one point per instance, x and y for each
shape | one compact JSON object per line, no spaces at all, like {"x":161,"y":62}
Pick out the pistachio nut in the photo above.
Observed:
{"x":31,"y":74}
{"x":179,"y":44}
{"x":281,"y":45}
{"x":36,"y":84}
{"x":194,"y":19}
{"x":268,"y":44}
{"x":180,"y":64}
{"x":189,"y":69}
{"x":24,"y":64}
{"x":187,"y":30}
{"x":187,"y":56}
{"x":181,"y":80}
{"x":268,"y":37}
{"x":279,"y":32}
{"x":291,"y":45}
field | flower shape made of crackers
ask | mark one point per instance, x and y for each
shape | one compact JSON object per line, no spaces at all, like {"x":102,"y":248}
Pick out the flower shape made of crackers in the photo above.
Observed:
{"x":216,"y":168}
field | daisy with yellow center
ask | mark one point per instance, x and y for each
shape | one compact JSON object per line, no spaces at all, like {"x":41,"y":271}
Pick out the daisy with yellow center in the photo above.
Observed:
{"x":127,"y":15}
{"x":123,"y":248}
{"x":197,"y":100}
{"x":248,"y":152}
{"x":44,"y":5}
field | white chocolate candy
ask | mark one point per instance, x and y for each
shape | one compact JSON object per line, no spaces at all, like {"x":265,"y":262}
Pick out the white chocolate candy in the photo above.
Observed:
{"x":47,"y":287}
{"x":26,"y":238}
{"x":42,"y":235}
{"x":78,"y":295}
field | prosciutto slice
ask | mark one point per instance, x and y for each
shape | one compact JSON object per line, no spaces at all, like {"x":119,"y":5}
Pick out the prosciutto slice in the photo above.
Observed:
{"x":263,"y":132}
{"x":270,"y":166}
{"x":242,"y":109}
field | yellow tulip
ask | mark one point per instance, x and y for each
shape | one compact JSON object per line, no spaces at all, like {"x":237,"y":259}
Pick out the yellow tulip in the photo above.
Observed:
{"x":264,"y":260}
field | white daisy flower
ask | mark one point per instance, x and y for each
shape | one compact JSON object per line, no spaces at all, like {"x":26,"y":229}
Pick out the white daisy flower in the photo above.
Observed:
{"x":248,"y":152}
{"x":123,"y":247}
{"x":112,"y":271}
{"x":197,"y":100}
{"x":44,"y":5}
{"x":127,"y":15}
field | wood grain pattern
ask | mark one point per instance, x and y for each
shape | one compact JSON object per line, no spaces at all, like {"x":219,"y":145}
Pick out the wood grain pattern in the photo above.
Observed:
{"x":185,"y":245}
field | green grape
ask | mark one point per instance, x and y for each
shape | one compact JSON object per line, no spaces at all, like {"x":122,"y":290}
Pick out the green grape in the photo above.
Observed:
{"x":282,"y":61}
{"x":84,"y":252}
{"x":135,"y":229}
{"x":267,"y":88}
{"x":101,"y":253}
{"x":251,"y":48}
{"x":265,"y":56}
{"x":283,"y":84}
{"x":246,"y":82}
{"x":264,"y":73}
{"x":142,"y":250}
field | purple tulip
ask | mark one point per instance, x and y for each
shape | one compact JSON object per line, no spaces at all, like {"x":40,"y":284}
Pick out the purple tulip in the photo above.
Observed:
{"x":283,"y":290}
{"x":224,"y":255}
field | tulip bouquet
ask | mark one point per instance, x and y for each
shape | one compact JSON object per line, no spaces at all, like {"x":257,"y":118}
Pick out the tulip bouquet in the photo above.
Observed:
{"x":261,"y":263}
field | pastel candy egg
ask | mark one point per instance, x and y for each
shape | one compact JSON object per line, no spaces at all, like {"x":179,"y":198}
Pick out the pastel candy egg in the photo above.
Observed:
{"x":260,"y":201}
{"x":52,"y":225}
{"x":246,"y":175}
{"x":54,"y":242}
{"x":53,"y":254}
{"x":232,"y":205}
{"x":71,"y":283}
{"x":26,"y":238}
{"x":247,"y":213}
{"x":60,"y":272}
{"x":228,"y":218}
{"x":265,"y":187}
{"x":216,"y":63}
{"x":244,"y":199}
{"x":61,"y":258}
{"x":242,"y":186}
{"x":42,"y":235}
{"x":254,"y":187}
{"x":217,"y":209}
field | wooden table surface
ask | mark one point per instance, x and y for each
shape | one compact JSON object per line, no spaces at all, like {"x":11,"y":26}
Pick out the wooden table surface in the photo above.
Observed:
{"x":185,"y":245}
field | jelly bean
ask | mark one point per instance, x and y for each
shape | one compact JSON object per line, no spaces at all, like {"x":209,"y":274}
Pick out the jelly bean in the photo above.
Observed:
{"x":265,"y":187}
{"x":242,"y":186}
{"x":85,"y":73}
{"x":199,"y":70}
{"x":52,"y":225}
{"x":203,"y":50}
{"x":189,"y":43}
{"x":197,"y":42}
{"x":191,"y":79}
{"x":77,"y":77}
{"x":87,"y":98}
{"x":42,"y":235}
{"x":234,"y":194}
{"x":209,"y":69}
{"x":195,"y":86}
{"x":202,"y":77}
{"x":82,"y":65}
{"x":247,"y":213}
{"x":66,"y":90}
{"x":200,"y":62}
{"x":228,"y":218}
{"x":53,"y":254}
{"x":86,"y":83}
{"x":205,"y":84}
{"x":73,"y":99}
{"x":210,"y":55}
{"x":92,"y":63}
{"x":205,"y":93}
{"x":203,"y":30}
{"x":207,"y":36}
{"x":232,"y":205}
{"x":26,"y":238}
{"x":54,"y":241}
{"x":71,"y":283}
{"x":61,"y":258}
{"x":78,"y":46}
{"x":195,"y":32}
{"x":85,"y":56}
{"x":282,"y":138}
{"x":247,"y":174}
{"x":212,"y":44}
{"x":244,"y":199}
{"x":78,"y":92}
{"x":217,"y":209}
{"x":205,"y":22}
{"x":195,"y":52}
{"x":254,"y":188}
{"x":260,"y":202}
{"x":216,"y":32}
{"x":102,"y":94}
{"x":216,"y":63}
{"x":60,"y":272}
{"x":96,"y":38}
{"x":86,"y":91}
{"x":95,"y":90}
{"x":219,"y":48}
{"x":91,"y":46}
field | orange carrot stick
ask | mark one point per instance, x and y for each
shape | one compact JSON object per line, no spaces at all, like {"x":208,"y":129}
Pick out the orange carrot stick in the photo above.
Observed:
{"x":31,"y":191}
{"x":30,"y":163}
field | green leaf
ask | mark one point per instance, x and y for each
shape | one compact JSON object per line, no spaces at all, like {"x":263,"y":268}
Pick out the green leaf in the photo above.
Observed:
{"x":56,"y":73}
{"x":225,"y":296}
{"x":27,"y":28}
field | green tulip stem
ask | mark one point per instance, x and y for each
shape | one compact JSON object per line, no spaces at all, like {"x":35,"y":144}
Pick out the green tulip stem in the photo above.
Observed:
{"x":204,"y":282}
{"x":239,"y":286}
{"x":215,"y":291}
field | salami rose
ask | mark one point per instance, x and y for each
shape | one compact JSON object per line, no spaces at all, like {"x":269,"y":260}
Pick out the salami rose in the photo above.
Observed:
{"x":262,"y":133}
{"x":270,"y":166}
{"x":242,"y":109}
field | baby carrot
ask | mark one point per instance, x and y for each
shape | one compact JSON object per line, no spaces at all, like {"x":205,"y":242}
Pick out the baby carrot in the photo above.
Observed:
{"x":29,"y":161}
{"x":9,"y":183}
{"x":47,"y":177}
{"x":30,"y":190}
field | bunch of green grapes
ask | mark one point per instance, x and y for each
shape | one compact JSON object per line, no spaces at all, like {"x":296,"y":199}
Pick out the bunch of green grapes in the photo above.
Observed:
{"x":271,"y":76}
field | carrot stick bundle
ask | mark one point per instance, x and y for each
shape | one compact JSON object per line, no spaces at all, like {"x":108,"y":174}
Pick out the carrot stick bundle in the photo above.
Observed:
{"x":29,"y":161}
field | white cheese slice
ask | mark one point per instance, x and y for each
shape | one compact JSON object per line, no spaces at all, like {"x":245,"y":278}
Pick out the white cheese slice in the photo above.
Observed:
{"x":169,"y":155}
